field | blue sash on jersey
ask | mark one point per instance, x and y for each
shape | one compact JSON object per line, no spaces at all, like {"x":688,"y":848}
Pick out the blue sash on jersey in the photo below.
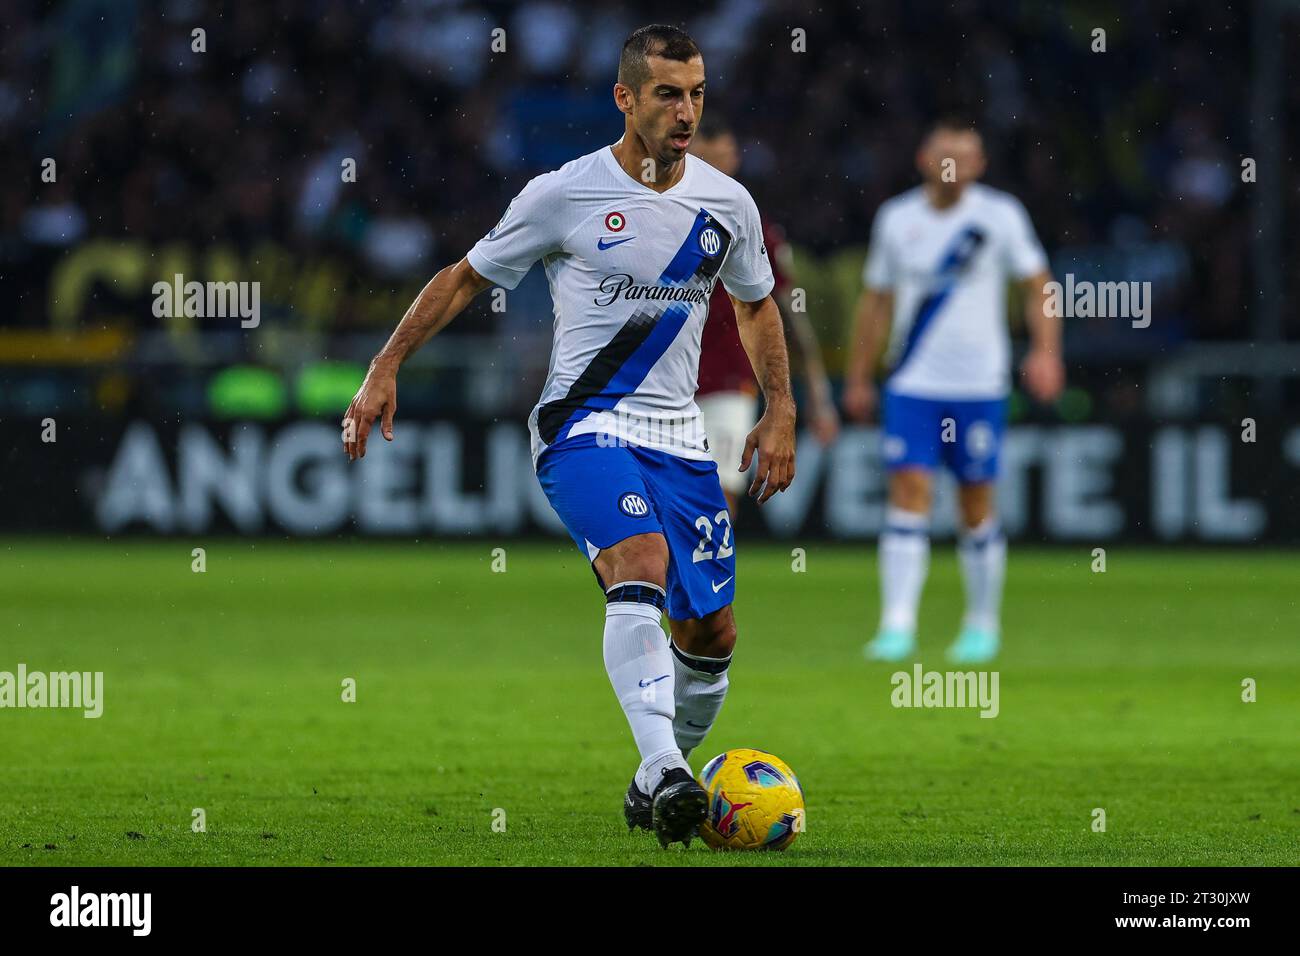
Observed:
{"x":626,"y":360}
{"x":954,"y":261}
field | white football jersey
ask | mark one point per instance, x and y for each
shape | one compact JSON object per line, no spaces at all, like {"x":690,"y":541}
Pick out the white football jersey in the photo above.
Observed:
{"x":630,"y":271}
{"x":948,"y":270}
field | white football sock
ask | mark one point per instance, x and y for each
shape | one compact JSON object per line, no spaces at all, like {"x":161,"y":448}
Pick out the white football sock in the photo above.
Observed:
{"x":904,"y":561}
{"x":699,"y":688}
{"x":640,"y":669}
{"x":983,"y":552}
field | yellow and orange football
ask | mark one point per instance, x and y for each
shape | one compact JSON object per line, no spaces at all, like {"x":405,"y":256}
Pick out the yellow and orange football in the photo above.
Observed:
{"x":755,"y":802}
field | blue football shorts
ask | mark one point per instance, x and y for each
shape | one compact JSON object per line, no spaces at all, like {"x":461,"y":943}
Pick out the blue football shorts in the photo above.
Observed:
{"x":606,"y":494}
{"x":965,"y":435}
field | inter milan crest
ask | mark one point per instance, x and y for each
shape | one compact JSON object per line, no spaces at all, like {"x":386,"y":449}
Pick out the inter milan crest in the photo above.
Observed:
{"x":633,"y":505}
{"x":710,"y":241}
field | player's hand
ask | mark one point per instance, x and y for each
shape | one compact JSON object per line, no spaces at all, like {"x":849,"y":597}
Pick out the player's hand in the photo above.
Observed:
{"x":773,"y":438}
{"x":1043,"y":373}
{"x":825,"y":424}
{"x":860,"y":399}
{"x":377,"y":396}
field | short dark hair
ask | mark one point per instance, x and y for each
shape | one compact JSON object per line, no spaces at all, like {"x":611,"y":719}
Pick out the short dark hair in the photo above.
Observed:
{"x":656,"y":39}
{"x":954,"y":123}
{"x":712,"y":126}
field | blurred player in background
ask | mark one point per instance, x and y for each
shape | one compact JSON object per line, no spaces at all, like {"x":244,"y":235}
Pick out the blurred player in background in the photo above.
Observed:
{"x":727,"y":393}
{"x":935,"y":282}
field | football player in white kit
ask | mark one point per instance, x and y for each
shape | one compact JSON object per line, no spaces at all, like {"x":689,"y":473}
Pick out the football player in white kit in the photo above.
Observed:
{"x":633,"y":238}
{"x":935,"y":283}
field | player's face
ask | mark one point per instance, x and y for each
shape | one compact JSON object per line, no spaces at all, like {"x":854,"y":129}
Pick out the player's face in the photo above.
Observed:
{"x":950,"y":160}
{"x":669,"y":106}
{"x":722,"y":152}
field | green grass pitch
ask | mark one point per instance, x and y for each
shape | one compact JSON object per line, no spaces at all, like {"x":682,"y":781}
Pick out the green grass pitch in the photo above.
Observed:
{"x":480,"y":692}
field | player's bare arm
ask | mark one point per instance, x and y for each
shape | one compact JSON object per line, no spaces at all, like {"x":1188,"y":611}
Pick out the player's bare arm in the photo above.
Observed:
{"x":438,"y":303}
{"x":870,"y":332}
{"x":1042,"y":370}
{"x":761,"y":334}
{"x":803,"y":338}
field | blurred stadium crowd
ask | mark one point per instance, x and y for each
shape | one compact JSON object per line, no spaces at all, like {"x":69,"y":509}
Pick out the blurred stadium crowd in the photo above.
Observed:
{"x":229,"y":159}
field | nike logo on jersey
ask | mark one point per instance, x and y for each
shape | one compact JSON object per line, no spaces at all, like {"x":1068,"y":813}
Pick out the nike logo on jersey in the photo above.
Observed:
{"x":603,"y":244}
{"x":646,"y":683}
{"x":719,"y":586}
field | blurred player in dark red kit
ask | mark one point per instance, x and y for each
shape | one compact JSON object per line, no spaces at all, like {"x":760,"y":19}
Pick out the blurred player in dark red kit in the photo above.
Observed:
{"x":727,"y":394}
